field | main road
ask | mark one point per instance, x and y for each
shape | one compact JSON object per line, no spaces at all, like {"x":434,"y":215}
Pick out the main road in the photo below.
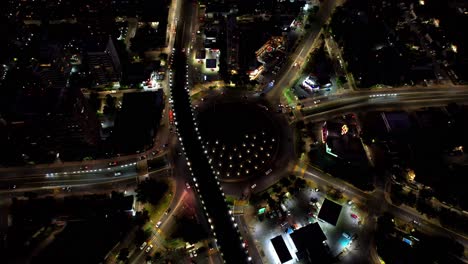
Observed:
{"x":289,"y":72}
{"x":209,"y":190}
{"x":338,"y":105}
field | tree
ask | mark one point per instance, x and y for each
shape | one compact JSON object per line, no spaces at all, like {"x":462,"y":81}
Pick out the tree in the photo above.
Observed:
{"x":265,"y":196}
{"x":189,"y":230}
{"x":285,"y":182}
{"x":123,"y":254}
{"x":271,"y":203}
{"x":411,"y":199}
{"x":293,"y":189}
{"x":157,"y":255}
{"x":151,"y":191}
{"x":109,"y":108}
{"x":277,"y":188}
{"x":338,"y":194}
{"x":142,"y":235}
{"x":163,"y":56}
{"x":94,"y":101}
{"x":300,"y":183}
{"x":31,"y":195}
{"x":292,"y":177}
{"x":396,"y":192}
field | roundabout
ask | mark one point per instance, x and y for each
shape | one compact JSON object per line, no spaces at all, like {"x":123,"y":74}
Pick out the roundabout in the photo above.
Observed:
{"x":242,"y":139}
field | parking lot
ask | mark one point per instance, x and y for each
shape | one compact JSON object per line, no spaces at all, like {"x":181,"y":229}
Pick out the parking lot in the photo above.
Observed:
{"x":298,"y":211}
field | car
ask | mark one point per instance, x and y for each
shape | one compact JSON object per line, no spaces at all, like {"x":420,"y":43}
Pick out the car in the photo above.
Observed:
{"x":85,"y":167}
{"x":253,"y":186}
{"x":113,"y":163}
{"x":187,"y":185}
{"x":117,"y":173}
{"x":158,"y":224}
{"x":148,"y":249}
{"x":316,"y":190}
{"x":143,"y":245}
{"x":193,"y":254}
{"x":354,"y":216}
{"x":346,"y":235}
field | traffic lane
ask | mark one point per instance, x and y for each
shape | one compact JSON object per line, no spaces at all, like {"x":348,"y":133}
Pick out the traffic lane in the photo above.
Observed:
{"x":399,"y":91}
{"x":288,"y":75}
{"x":165,"y":224}
{"x":219,"y":210}
{"x":377,"y":98}
{"x":426,"y":226}
{"x":381,"y":204}
{"x":326,"y":8}
{"x":325,"y":180}
{"x":64,"y":179}
{"x":77,"y":164}
{"x":65,"y":186}
{"x":160,"y":226}
{"x":179,"y":174}
{"x":383,"y":105}
{"x":253,"y":251}
{"x":66,"y":167}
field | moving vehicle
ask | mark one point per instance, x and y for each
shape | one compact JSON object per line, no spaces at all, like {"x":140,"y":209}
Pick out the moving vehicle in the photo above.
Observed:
{"x":158,"y":224}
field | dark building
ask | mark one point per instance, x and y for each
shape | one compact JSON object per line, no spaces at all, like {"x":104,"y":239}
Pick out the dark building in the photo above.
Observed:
{"x":309,"y":241}
{"x":211,"y":63}
{"x":137,"y":122}
{"x":281,"y":249}
{"x":330,"y":212}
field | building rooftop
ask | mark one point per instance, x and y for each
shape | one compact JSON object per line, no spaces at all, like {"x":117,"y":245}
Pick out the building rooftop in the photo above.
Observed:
{"x":138,"y":120}
{"x":211,"y":63}
{"x":330,"y":212}
{"x":308,"y":236}
{"x":309,"y":244}
{"x":281,"y":249}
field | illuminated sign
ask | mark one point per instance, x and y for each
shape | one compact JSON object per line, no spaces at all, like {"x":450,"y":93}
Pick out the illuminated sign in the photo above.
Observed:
{"x":344,"y":130}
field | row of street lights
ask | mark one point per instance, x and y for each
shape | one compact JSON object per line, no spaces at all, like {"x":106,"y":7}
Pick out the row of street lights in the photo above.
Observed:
{"x":249,"y":259}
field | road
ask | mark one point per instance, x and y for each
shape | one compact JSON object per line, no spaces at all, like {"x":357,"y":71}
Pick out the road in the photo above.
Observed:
{"x":333,"y":106}
{"x":212,"y":197}
{"x":377,"y":203}
{"x":289,"y":73}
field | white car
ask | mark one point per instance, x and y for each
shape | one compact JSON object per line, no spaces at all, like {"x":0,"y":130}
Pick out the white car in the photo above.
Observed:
{"x":143,"y":245}
{"x":158,"y":224}
{"x":253,"y":186}
{"x":148,"y":249}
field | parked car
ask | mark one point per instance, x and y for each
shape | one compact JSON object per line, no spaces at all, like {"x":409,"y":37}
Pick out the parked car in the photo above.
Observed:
{"x":148,"y":249}
{"x":143,"y":245}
